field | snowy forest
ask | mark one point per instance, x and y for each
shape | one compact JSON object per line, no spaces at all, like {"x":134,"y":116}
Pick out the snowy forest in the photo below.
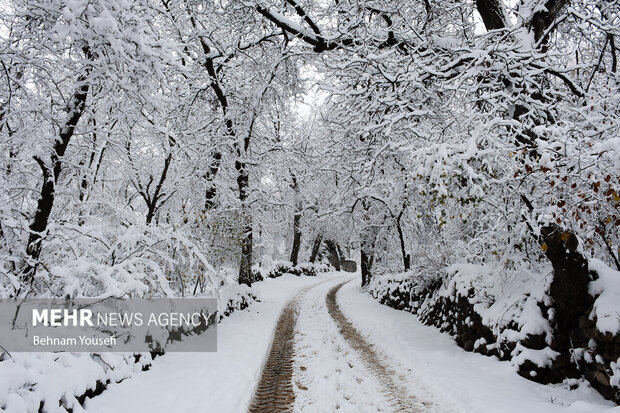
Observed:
{"x":463,"y":157}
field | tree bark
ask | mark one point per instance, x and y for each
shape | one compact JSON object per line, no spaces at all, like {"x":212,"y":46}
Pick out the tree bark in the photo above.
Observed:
{"x":211,"y":190}
{"x":296,"y":222}
{"x":157,"y":198}
{"x":492,"y":13}
{"x":403,"y":250}
{"x":296,"y":238}
{"x":401,"y":237}
{"x":569,"y":290}
{"x":316,"y":247}
{"x":52,"y":171}
{"x":341,"y":255}
{"x":216,"y":155}
{"x":332,"y":254}
{"x":366,"y":261}
{"x":245,"y":263}
{"x":85,"y":170}
{"x":243,"y":183}
{"x":367,"y":254}
{"x":544,"y":18}
{"x":368,"y":240}
{"x":153,"y":202}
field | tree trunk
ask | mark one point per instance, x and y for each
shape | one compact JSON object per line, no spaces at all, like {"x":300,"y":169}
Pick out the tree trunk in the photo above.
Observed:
{"x":316,"y":247}
{"x":155,"y":201}
{"x":245,"y":263}
{"x":150,"y":213}
{"x":341,"y":255}
{"x":367,"y":247}
{"x":216,"y":155}
{"x":87,"y":175}
{"x":332,"y":254}
{"x":211,"y":191}
{"x":406,"y":257}
{"x":367,"y":259}
{"x":367,"y":254}
{"x":296,"y":238}
{"x":296,"y":221}
{"x":492,"y":13}
{"x":52,"y":171}
{"x":569,"y":290}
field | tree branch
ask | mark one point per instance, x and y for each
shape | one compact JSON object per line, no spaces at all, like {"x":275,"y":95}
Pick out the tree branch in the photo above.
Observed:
{"x":492,"y":13}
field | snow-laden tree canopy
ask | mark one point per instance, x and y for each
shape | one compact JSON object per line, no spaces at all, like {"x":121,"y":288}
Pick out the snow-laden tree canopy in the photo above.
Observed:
{"x":151,"y":147}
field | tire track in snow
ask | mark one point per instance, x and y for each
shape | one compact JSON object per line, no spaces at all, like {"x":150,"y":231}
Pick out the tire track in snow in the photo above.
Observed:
{"x":274,"y":393}
{"x":399,"y":397}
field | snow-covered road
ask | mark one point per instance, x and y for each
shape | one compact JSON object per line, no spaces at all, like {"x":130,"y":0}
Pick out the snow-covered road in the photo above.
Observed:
{"x":337,"y":370}
{"x":332,"y":375}
{"x":329,"y":375}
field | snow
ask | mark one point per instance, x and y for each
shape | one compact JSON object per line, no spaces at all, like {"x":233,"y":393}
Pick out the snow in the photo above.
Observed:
{"x":612,"y":144}
{"x":222,"y":381}
{"x":105,"y":22}
{"x":437,"y":366}
{"x":501,"y":296}
{"x":607,"y":290}
{"x":542,"y":358}
{"x":328,"y":374}
{"x":333,"y":373}
{"x":545,"y":160}
{"x":26,"y":379}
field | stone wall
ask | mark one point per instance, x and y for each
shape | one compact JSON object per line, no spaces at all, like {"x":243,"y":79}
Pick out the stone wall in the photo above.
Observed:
{"x":591,"y":354}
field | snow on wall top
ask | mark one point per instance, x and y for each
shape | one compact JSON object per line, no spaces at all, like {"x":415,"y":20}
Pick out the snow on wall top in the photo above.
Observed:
{"x":606,"y":289}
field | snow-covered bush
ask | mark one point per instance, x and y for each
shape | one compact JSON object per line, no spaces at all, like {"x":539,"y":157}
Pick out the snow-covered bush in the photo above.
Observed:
{"x":32,"y":381}
{"x":116,"y":255}
{"x":278,"y":268}
{"x":57,"y":382}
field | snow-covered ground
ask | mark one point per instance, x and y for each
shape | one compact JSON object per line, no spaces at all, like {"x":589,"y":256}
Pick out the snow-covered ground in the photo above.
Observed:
{"x":329,"y":375}
{"x":446,"y":373}
{"x":219,"y":382}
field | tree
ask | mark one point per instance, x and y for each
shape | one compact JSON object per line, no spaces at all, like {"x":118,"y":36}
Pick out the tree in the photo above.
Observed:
{"x":74,"y":49}
{"x":406,"y":78}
